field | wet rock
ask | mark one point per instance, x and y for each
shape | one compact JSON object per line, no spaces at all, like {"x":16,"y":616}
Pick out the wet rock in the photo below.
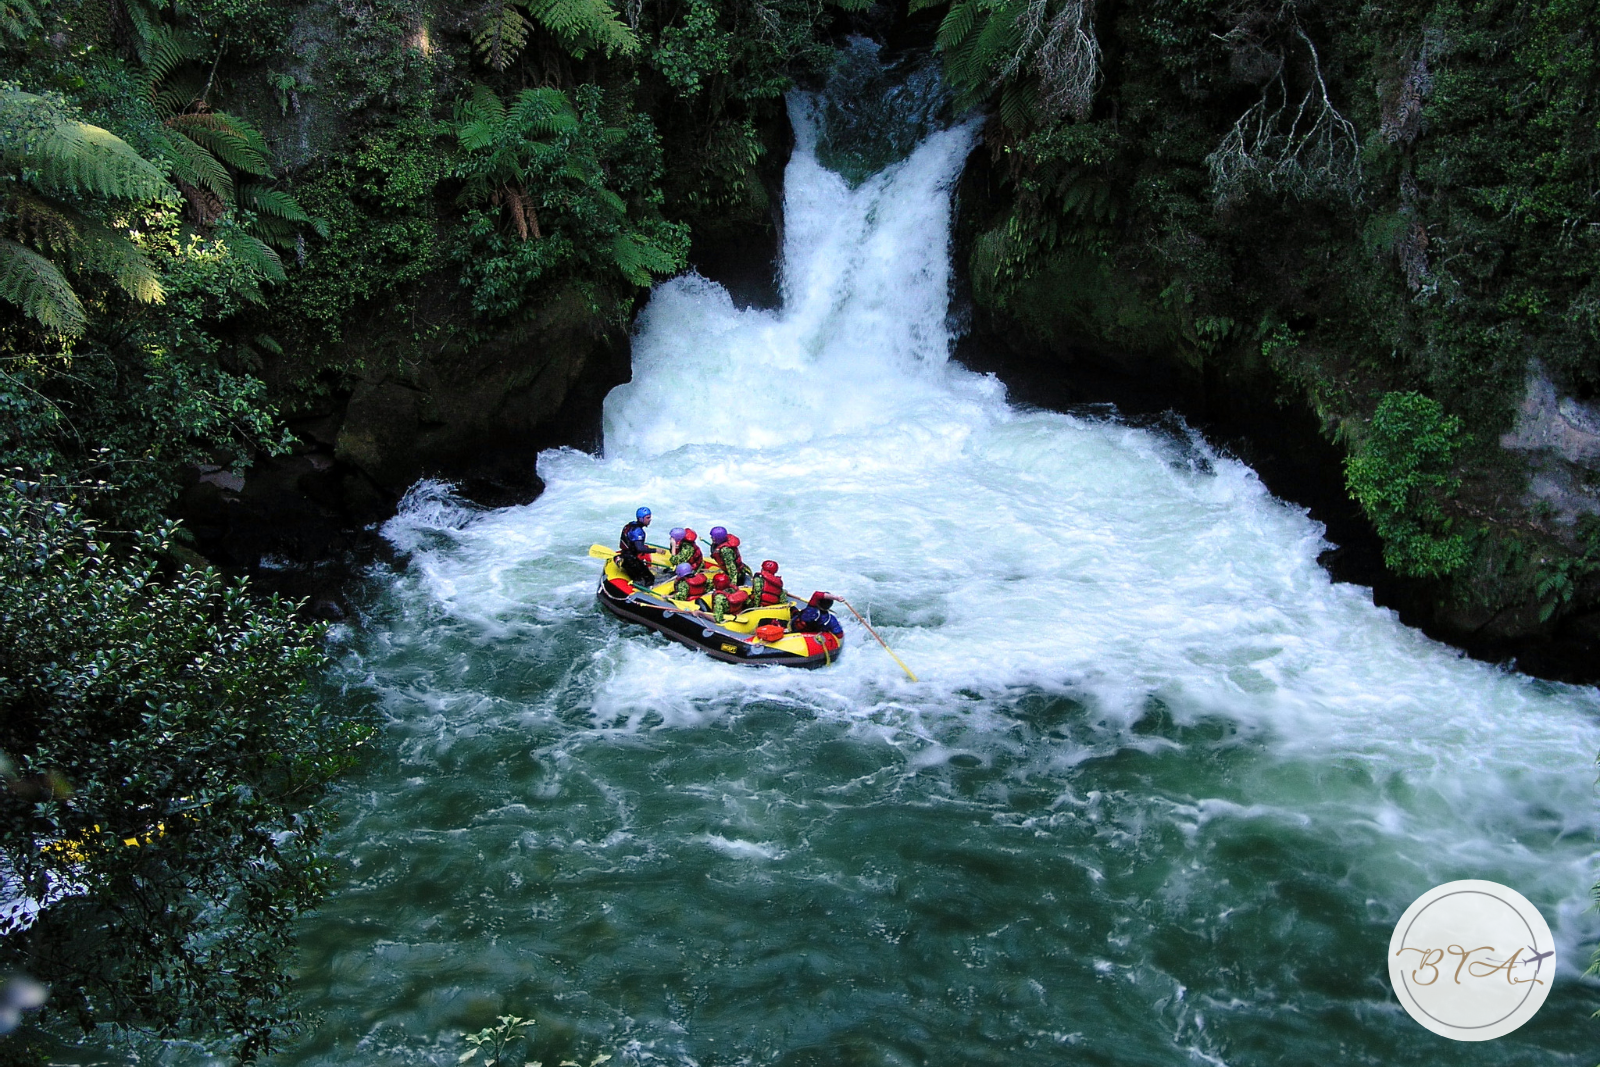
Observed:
{"x":1562,"y":439}
{"x":1558,"y":424}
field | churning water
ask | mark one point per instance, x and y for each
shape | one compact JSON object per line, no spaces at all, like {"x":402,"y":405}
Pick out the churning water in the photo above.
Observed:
{"x":1158,"y":797}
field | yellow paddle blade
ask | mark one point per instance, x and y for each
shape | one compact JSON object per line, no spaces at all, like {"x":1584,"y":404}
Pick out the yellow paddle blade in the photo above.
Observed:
{"x":601,"y":552}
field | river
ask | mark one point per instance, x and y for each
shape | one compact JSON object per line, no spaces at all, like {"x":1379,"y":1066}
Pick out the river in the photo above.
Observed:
{"x":1158,"y":795}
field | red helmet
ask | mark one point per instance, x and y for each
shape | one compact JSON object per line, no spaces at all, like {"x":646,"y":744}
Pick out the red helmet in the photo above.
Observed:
{"x":769,"y":566}
{"x":688,"y":534}
{"x":720,"y":582}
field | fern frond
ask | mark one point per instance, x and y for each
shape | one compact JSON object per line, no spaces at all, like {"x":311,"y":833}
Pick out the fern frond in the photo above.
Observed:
{"x":34,"y":284}
{"x":612,"y":201}
{"x":103,"y":249}
{"x":861,"y":5}
{"x":66,"y":155}
{"x":146,"y":19}
{"x":998,"y":40}
{"x":163,"y":50}
{"x":274,"y":202}
{"x":502,"y":37}
{"x":479,"y":118}
{"x":17,"y":17}
{"x":1017,"y":105}
{"x":255,"y":254}
{"x":638,"y":258}
{"x":47,"y":225}
{"x":581,"y":24}
{"x":957,"y":24}
{"x":921,"y":5}
{"x":277,"y":232}
{"x":192,"y":163}
{"x":232,"y":140}
{"x":543,"y":113}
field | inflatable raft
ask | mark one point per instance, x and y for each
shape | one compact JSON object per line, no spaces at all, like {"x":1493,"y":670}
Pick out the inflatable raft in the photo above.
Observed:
{"x":735,"y":639}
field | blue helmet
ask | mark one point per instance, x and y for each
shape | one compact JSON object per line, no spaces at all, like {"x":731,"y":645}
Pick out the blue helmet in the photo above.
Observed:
{"x":683,"y":570}
{"x":642,"y":514}
{"x":719,"y":534}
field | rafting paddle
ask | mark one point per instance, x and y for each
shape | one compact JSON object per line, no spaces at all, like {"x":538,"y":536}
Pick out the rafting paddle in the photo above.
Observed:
{"x":874,"y":633}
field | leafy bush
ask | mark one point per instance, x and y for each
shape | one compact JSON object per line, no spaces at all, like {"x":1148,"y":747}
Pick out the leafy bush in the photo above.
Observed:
{"x":1400,"y":473}
{"x":167,"y":748}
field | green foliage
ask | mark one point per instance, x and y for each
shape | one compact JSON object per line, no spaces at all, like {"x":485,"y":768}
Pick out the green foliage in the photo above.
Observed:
{"x":46,"y":144}
{"x":694,"y":50}
{"x":580,"y":26}
{"x":722,"y":69}
{"x":17,"y":17}
{"x":1560,"y":579}
{"x":564,"y":191}
{"x":1038,"y":59}
{"x":492,"y":1042}
{"x":167,"y":748}
{"x":1401,"y":473}
{"x":1402,"y":195}
{"x":144,"y":391}
{"x":219,"y":161}
{"x":383,"y":230}
{"x":59,"y":177}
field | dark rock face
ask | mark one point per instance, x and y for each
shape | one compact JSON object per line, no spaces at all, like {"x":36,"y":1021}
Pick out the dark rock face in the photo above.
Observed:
{"x":473,"y":410}
{"x":477,"y":411}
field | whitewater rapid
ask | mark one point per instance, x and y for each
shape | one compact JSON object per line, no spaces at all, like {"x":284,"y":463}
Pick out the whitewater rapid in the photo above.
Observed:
{"x":1015,"y":559}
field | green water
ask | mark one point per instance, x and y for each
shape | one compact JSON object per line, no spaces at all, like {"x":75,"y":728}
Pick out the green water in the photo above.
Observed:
{"x":1013,"y":882}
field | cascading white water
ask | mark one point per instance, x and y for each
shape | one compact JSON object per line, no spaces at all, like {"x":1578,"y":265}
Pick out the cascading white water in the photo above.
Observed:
{"x":1017,"y":560}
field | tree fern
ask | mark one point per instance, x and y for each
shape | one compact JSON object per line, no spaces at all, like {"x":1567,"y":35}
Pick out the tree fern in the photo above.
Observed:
{"x":212,"y":152}
{"x":50,"y":161}
{"x":581,"y":26}
{"x":502,"y":37}
{"x":34,"y":284}
{"x":638,"y":258}
{"x":543,"y":113}
{"x":17,"y":17}
{"x":194,"y":165}
{"x":103,"y":249}
{"x":49,"y":226}
{"x":163,"y":50}
{"x":233,"y":141}
{"x":257,"y":255}
{"x":264,"y":200}
{"x":62,"y":154}
{"x":1041,"y":56}
{"x":585,"y":24}
{"x":958,"y":24}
